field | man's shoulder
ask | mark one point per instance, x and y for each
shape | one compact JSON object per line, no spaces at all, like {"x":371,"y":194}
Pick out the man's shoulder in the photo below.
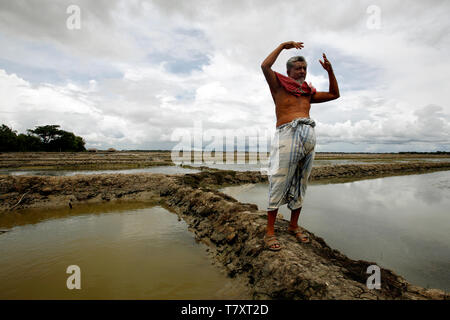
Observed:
{"x":272,"y":80}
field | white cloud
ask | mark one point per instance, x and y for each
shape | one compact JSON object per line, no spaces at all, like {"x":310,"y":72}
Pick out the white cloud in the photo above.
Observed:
{"x":122,"y":87}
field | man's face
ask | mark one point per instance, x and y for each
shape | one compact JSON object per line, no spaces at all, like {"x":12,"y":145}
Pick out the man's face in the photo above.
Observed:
{"x":298,"y":71}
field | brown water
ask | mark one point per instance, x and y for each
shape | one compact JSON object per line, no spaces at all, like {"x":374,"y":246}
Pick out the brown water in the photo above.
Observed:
{"x":401,"y":223}
{"x":124,"y":251}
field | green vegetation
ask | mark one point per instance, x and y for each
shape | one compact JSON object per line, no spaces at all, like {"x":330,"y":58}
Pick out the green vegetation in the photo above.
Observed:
{"x":42,"y":138}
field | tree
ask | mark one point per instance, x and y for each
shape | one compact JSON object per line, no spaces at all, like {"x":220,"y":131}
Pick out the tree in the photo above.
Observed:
{"x":79,"y":144}
{"x":8,"y":138}
{"x":67,"y":141}
{"x":46,"y":133}
{"x":26,"y":142}
{"x":42,"y":138}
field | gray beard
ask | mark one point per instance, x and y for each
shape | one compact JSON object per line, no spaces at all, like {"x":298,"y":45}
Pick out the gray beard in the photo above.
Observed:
{"x":300,"y":80}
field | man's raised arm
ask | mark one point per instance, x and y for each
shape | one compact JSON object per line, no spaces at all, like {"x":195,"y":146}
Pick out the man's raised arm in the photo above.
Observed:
{"x":266,"y":65}
{"x":333,"y":91}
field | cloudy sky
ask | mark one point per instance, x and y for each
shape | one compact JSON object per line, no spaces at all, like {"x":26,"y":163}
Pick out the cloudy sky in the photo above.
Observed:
{"x":139,"y":74}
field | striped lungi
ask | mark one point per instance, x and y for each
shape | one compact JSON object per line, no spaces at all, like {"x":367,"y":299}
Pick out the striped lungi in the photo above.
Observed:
{"x":291,"y":158}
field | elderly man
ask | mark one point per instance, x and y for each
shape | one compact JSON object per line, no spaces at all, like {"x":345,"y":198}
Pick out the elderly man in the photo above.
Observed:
{"x":293,"y":145}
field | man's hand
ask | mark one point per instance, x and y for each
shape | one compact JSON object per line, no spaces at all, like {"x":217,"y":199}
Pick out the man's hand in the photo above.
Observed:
{"x":266,"y":65}
{"x":333,"y":91}
{"x":326,"y":64}
{"x":292,"y":44}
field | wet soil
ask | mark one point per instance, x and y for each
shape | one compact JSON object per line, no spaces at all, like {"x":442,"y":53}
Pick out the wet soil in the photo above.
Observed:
{"x":232,"y":230}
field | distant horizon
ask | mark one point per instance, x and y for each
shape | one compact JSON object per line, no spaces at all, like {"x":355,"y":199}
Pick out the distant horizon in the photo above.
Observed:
{"x":361,"y":152}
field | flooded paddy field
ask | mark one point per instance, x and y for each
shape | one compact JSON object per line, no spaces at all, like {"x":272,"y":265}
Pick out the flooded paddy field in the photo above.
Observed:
{"x":123,"y":250}
{"x":400,"y":222}
{"x":102,"y":160}
{"x":59,"y":163}
{"x":153,"y":169}
{"x":228,"y":230}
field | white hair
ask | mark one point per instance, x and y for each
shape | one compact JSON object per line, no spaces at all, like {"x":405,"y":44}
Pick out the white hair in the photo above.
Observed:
{"x":290,"y":62}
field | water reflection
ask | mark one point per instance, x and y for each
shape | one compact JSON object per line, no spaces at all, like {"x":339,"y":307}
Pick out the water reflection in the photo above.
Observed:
{"x":316,"y":163}
{"x":263,"y":165}
{"x":155,"y":169}
{"x":127,"y":253}
{"x":399,"y":222}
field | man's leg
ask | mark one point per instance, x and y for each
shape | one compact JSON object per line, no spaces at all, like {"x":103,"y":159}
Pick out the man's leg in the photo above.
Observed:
{"x":270,"y":230}
{"x":302,"y":174}
{"x":271,"y":217}
{"x":295,"y":229}
{"x":278,"y":175}
{"x":294,"y":218}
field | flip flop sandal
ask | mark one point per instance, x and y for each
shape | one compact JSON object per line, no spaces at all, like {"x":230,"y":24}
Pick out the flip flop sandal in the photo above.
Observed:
{"x":270,"y":242}
{"x":301,"y":237}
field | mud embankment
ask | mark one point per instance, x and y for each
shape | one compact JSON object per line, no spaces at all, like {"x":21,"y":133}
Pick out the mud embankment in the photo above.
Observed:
{"x":234,"y":233}
{"x":127,"y":159}
{"x":333,"y":173}
{"x":232,"y":230}
{"x":101,"y":160}
{"x":18,"y":192}
{"x":362,"y":171}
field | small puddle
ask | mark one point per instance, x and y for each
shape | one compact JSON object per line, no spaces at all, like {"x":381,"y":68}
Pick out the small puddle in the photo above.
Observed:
{"x":401,"y":222}
{"x":124,"y":251}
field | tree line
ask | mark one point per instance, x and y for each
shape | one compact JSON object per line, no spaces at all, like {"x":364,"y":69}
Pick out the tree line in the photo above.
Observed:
{"x":43,"y":138}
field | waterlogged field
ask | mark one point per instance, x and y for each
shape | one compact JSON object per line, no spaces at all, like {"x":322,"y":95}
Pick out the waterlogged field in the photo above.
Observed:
{"x":153,"y":169}
{"x":68,"y":163}
{"x":123,"y":251}
{"x":132,"y":251}
{"x":401,"y":222}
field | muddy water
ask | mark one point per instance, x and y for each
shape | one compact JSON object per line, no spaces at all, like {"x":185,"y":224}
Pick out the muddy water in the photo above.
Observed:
{"x":262,"y":166}
{"x":155,"y":169}
{"x":317,"y":163}
{"x":124,"y":252}
{"x":401,"y":223}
